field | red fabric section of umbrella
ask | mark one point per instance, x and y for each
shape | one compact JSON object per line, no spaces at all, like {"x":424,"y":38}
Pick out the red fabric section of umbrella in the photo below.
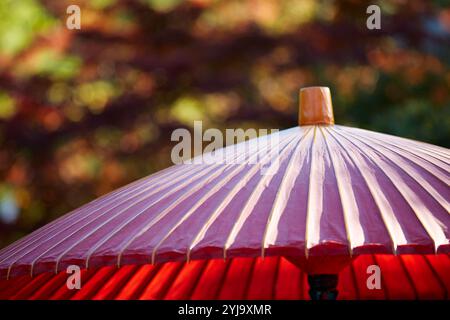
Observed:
{"x":402,"y":277}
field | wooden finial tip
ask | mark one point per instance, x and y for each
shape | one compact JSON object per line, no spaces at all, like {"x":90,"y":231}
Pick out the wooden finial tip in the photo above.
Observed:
{"x":315,"y":106}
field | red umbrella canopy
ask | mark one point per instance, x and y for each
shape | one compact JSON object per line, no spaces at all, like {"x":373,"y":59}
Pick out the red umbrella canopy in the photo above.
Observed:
{"x":318,"y":194}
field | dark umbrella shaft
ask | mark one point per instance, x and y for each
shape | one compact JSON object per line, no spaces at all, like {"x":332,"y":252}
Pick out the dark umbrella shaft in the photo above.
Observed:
{"x":323,"y":286}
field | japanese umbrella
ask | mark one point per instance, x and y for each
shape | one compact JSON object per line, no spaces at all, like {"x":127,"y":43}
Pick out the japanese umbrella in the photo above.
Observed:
{"x":260,"y":220}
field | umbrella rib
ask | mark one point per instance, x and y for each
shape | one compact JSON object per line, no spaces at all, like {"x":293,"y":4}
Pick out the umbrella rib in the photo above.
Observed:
{"x":124,"y":210}
{"x":205,"y":197}
{"x":88,"y":283}
{"x":170,"y":282}
{"x":425,"y":163}
{"x":285,"y":188}
{"x":417,"y":145}
{"x":250,"y":174}
{"x":435,"y":150}
{"x":244,"y":214}
{"x":159,"y":217}
{"x":315,"y":205}
{"x":428,"y":226}
{"x":60,"y":232}
{"x":273,"y":293}
{"x":137,"y":284}
{"x":139,"y":213}
{"x":113,"y":285}
{"x":346,"y":210}
{"x":436,"y":276}
{"x":199,"y":276}
{"x":384,"y":285}
{"x":145,"y":197}
{"x":354,"y":281}
{"x":223,"y":278}
{"x":409,"y":277}
{"x":409,"y":170}
{"x":425,"y":160}
{"x":71,"y":217}
{"x":386,"y":212}
{"x":233,"y":154}
{"x":440,"y":158}
{"x":308,"y":205}
{"x":248,"y":283}
{"x":41,"y":233}
{"x":47,"y":290}
{"x":73,"y":214}
{"x":200,"y":202}
{"x":31,"y":287}
{"x":64,"y":219}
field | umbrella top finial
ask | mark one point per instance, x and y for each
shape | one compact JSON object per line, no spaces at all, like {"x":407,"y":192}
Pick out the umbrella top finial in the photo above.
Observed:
{"x":315,"y":106}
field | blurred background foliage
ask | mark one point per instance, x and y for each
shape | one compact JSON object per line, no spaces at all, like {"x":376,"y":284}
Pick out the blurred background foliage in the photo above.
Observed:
{"x":83,"y":112}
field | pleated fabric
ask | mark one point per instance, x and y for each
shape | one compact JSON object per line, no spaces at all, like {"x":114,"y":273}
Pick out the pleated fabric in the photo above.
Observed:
{"x":310,"y":190}
{"x":403,"y":277}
